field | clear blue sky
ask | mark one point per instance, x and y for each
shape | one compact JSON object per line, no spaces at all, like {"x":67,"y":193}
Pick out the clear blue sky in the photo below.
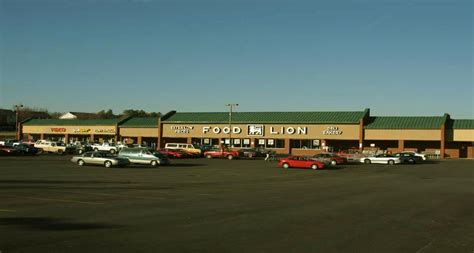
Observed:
{"x":397,"y":57}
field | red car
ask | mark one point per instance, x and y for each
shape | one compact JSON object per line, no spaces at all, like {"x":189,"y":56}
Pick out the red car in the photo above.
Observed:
{"x":172,"y":153}
{"x":329,"y":158}
{"x":300,"y":162}
{"x":7,"y":151}
{"x":351,"y":154}
{"x":221,"y":153}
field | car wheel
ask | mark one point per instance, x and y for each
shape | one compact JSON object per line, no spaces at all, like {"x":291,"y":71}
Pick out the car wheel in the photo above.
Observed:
{"x":80,"y":162}
{"x":60,"y":151}
{"x":286,"y":165}
{"x":230,"y":157}
{"x":80,"y":151}
{"x":108,"y":164}
{"x":208,"y":156}
{"x":96,"y":149}
{"x":333,"y":163}
{"x":154,"y":163}
{"x":314,"y":167}
{"x":112,"y":151}
{"x":391,"y":162}
{"x":250,"y":156}
{"x":411,"y":160}
{"x":367,"y":161}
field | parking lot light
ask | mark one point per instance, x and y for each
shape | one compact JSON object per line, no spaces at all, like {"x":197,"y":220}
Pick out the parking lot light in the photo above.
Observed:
{"x":230,"y":122}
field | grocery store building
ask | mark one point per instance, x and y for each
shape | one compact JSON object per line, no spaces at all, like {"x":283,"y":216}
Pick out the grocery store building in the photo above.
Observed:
{"x":297,"y":133}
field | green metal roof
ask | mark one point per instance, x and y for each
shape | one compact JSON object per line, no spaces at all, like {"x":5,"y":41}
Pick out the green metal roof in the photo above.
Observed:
{"x":71,"y":122}
{"x":141,"y":122}
{"x":397,"y":122}
{"x":268,"y":117}
{"x":463,"y":124}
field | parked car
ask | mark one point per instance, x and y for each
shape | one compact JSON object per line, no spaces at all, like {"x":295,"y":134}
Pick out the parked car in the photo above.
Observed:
{"x":53,"y":147}
{"x":143,"y":156}
{"x":300,"y":162}
{"x":173,"y":153}
{"x":8,"y":151}
{"x":221,"y":153}
{"x":26,"y":149}
{"x":423,"y":156}
{"x":350,"y":154}
{"x":80,"y":147}
{"x":248,"y":152}
{"x":105,"y":147}
{"x":185,"y":146}
{"x":9,"y":142}
{"x":408,"y":157}
{"x":262,"y":152}
{"x":329,"y":158}
{"x":99,"y":158}
{"x":381,"y":158}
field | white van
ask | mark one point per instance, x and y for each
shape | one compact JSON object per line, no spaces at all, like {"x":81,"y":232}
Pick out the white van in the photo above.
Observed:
{"x":188,"y":147}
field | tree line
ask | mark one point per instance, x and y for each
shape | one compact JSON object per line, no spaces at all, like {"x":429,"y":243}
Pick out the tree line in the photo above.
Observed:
{"x":33,"y":112}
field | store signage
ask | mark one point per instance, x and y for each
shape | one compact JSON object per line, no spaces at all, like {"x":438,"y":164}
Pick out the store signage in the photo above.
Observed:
{"x":105,"y":131}
{"x":255,"y":130}
{"x":182,"y":129}
{"x":218,"y":130}
{"x":289,"y":130}
{"x":252,"y":130}
{"x":332,"y":130}
{"x":81,"y":130}
{"x":58,"y":129}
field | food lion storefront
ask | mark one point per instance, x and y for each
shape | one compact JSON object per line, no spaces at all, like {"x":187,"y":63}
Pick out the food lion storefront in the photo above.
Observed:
{"x":290,"y":132}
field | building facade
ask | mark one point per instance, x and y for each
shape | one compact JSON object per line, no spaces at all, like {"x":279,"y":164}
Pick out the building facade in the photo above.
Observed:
{"x":298,"y":133}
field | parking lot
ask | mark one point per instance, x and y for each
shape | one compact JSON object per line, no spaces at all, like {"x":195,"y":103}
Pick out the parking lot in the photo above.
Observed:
{"x":49,"y":204}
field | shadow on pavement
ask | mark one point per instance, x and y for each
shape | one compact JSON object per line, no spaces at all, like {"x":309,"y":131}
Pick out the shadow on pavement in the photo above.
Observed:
{"x":43,"y":223}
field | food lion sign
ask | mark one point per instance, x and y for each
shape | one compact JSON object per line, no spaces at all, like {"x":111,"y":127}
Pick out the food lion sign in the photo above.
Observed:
{"x":256,"y":130}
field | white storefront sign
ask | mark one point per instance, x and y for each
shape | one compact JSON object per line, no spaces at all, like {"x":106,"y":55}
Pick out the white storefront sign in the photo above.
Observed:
{"x":252,"y":130}
{"x":182,"y":129}
{"x":332,"y":130}
{"x":217,"y":130}
{"x":289,"y":130}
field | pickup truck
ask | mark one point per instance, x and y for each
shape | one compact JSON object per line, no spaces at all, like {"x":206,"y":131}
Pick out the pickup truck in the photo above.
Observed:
{"x":105,"y":147}
{"x":221,"y":153}
{"x":9,"y":142}
{"x":52,"y":147}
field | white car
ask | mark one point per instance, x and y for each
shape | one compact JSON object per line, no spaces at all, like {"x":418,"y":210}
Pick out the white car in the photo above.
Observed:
{"x":105,"y":147}
{"x":382,"y":158}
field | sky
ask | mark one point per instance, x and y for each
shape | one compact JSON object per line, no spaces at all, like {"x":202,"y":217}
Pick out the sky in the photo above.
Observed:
{"x":396,"y":57}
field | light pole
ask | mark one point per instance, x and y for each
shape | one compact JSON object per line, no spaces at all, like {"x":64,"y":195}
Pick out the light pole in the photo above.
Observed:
{"x":230,"y":122}
{"x":17,"y":125}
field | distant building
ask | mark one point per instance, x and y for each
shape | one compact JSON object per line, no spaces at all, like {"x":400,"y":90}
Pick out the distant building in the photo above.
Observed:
{"x":78,"y":115}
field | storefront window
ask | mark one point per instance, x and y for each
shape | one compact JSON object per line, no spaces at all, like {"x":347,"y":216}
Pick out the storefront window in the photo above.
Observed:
{"x":205,"y":141}
{"x":246,"y":143}
{"x":270,"y":143}
{"x":305,"y":144}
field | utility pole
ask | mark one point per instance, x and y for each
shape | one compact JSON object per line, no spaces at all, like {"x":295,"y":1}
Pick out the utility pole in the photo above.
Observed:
{"x":17,"y":123}
{"x":230,"y":122}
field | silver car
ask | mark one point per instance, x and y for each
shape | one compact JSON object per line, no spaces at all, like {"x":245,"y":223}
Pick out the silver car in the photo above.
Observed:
{"x":98,"y":158}
{"x":143,"y":156}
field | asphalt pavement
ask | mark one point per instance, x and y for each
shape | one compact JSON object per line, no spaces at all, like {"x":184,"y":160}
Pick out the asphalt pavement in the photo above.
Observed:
{"x":49,"y":204}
